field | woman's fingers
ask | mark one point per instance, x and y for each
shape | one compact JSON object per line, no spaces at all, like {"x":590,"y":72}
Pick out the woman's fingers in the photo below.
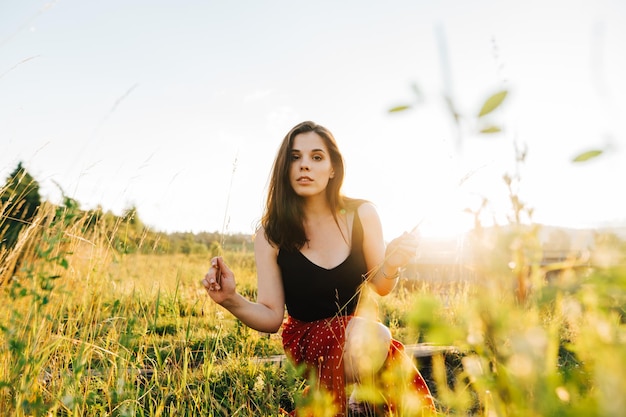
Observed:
{"x":212,"y":279}
{"x":411,"y":243}
{"x":402,"y":249}
{"x":219,"y":277}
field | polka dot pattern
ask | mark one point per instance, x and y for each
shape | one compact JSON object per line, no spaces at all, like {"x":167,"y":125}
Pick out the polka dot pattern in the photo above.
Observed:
{"x":319,"y":346}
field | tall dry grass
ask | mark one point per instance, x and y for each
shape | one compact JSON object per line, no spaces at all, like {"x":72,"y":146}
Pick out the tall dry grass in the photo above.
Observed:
{"x":90,"y":331}
{"x":87,"y":330}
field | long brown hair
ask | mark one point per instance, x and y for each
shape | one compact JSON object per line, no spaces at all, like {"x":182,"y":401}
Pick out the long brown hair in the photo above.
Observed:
{"x":283,"y":219}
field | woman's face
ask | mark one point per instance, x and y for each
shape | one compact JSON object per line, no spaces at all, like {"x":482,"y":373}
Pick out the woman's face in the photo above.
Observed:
{"x":311,"y":167}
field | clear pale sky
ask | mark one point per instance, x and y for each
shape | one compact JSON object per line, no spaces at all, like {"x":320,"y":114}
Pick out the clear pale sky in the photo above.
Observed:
{"x":178,"y":107}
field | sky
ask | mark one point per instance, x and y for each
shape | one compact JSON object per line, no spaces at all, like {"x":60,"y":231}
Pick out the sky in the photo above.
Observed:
{"x":178,"y":108}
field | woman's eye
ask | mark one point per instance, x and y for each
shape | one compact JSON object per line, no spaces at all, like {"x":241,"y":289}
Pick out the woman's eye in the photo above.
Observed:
{"x":317,"y":157}
{"x":295,"y":157}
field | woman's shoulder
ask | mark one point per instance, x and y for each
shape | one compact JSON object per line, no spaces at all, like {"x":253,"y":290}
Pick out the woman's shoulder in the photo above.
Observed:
{"x":354,"y":204}
{"x":367,"y":212}
{"x":262,"y":243}
{"x":365,"y":209}
{"x":370,"y":221}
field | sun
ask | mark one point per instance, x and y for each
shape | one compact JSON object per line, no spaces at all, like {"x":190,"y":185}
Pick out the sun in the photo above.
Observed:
{"x":444,"y":218}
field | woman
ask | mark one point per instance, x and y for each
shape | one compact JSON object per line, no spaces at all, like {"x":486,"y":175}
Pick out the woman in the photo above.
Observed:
{"x":315,"y":251}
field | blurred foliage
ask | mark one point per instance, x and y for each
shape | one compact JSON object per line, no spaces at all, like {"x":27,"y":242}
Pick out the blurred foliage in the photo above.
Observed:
{"x":587,"y":155}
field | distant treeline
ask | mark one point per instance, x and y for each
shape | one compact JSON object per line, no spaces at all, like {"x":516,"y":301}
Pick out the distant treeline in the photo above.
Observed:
{"x":21,"y":203}
{"x":213,"y":242}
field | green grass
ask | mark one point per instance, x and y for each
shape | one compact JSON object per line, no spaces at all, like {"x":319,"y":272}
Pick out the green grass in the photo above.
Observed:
{"x":91,"y":332}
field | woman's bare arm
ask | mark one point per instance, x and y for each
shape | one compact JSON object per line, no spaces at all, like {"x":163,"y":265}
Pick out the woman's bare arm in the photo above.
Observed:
{"x":267,"y":313}
{"x":383,"y":261}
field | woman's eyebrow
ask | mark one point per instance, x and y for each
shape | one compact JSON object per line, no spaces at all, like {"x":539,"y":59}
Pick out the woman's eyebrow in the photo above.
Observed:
{"x":312,"y":150}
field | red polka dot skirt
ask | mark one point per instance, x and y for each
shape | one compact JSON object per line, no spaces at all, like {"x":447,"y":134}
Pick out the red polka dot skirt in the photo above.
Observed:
{"x":319,"y":346}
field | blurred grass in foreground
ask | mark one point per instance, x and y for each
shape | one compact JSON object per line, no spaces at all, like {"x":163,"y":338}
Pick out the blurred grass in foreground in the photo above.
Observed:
{"x":89,"y":331}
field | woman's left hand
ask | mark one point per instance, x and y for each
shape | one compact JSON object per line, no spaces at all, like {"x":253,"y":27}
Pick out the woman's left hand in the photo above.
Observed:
{"x":401,"y":250}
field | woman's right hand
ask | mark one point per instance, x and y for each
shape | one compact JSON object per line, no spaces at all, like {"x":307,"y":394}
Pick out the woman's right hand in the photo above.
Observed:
{"x":219,"y":281}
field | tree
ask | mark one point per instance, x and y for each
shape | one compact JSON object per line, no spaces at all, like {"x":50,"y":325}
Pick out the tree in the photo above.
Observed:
{"x":20,"y":201}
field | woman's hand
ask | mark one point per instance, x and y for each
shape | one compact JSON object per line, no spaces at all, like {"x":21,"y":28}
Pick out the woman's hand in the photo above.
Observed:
{"x":219,"y":281}
{"x":401,"y":250}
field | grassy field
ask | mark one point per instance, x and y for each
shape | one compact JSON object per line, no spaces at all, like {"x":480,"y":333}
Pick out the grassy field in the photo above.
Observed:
{"x":87,"y":331}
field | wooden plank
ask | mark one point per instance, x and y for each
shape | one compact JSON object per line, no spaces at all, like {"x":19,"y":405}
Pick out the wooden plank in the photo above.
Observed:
{"x":420,"y":350}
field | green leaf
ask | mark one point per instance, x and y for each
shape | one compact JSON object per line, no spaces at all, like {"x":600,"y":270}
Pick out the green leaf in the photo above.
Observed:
{"x":585,"y":156}
{"x":493,"y":103}
{"x":491,"y":129}
{"x":399,"y":108}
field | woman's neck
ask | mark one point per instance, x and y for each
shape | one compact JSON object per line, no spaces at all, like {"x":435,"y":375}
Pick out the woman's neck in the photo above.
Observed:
{"x":316,"y":209}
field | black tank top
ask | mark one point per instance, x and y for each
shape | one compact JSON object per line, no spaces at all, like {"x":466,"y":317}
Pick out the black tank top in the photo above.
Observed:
{"x":313,"y":292}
